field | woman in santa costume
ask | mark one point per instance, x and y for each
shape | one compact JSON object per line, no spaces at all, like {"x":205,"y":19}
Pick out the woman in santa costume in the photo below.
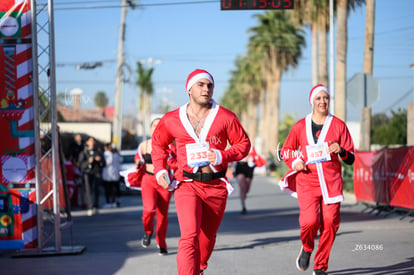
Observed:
{"x":202,"y":131}
{"x":155,"y":199}
{"x":313,"y":150}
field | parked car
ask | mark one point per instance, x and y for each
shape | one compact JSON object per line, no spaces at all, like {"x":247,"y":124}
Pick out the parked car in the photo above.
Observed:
{"x":128,"y":162}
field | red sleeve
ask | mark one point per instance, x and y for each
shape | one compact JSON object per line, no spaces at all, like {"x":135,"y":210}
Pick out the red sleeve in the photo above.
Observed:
{"x":239,"y":141}
{"x":172,"y":158}
{"x":290,"y":149}
{"x":161,"y":139}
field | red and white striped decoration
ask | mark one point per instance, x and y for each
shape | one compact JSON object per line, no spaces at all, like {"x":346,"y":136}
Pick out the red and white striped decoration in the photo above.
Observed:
{"x":24,"y":87}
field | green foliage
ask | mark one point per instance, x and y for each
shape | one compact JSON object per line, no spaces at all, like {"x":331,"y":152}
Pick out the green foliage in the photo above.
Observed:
{"x":387,"y":131}
{"x":285,"y":125}
{"x":144,"y":83}
{"x":101,"y":100}
{"x":348,"y":177}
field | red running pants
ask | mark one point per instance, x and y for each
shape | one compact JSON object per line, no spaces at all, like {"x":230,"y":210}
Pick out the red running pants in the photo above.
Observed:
{"x":155,"y":200}
{"x":316,"y":215}
{"x":200,"y":209}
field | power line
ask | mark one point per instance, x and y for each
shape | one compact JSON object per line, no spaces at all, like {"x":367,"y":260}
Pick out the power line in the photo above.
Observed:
{"x":403,"y":97}
{"x":83,"y":7}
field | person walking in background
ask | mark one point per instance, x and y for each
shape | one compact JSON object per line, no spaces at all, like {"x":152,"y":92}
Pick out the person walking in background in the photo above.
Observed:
{"x":75,"y":148}
{"x":72,"y":175}
{"x":155,"y":199}
{"x":243,"y":172}
{"x":91,"y":163}
{"x":201,"y":131}
{"x":322,"y":140}
{"x":110,"y":174}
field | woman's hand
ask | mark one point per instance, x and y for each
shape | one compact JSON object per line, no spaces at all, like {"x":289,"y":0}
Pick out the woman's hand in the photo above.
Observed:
{"x":300,"y":166}
{"x":334,"y":147}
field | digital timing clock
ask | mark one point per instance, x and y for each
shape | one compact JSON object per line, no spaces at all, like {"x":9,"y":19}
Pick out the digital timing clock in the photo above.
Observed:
{"x":256,"y":4}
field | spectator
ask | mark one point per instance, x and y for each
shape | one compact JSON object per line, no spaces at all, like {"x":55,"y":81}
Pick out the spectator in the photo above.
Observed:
{"x":110,"y":174}
{"x":72,"y":175}
{"x":91,"y":163}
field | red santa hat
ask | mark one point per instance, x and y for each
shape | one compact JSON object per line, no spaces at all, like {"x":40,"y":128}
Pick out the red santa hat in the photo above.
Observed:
{"x":316,"y":90}
{"x":196,"y":75}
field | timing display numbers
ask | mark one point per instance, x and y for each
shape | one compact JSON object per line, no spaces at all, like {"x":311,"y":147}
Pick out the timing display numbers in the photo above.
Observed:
{"x":256,"y":4}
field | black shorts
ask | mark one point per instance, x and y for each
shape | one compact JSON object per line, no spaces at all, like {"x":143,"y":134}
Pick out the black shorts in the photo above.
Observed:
{"x":243,"y":168}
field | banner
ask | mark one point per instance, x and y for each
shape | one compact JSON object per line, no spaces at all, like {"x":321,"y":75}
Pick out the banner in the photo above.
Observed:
{"x":17,"y":190}
{"x":401,"y":176}
{"x":385,"y":176}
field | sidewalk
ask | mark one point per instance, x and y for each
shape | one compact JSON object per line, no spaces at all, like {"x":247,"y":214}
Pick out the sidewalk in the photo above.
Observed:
{"x":265,"y":241}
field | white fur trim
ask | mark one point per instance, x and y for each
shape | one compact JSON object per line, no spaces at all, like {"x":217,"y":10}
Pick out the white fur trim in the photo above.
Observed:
{"x":219,"y":158}
{"x":197,"y":77}
{"x":317,"y":91}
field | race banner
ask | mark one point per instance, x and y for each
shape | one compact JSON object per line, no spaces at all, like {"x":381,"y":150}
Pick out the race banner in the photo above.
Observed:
{"x":385,"y":177}
{"x":17,"y":190}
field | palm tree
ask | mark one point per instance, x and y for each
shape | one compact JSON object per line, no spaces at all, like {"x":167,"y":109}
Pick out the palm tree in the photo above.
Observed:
{"x":249,"y":79}
{"x":315,"y":14}
{"x":279,"y":43}
{"x":101,"y":101}
{"x":146,"y":90}
{"x":343,"y":9}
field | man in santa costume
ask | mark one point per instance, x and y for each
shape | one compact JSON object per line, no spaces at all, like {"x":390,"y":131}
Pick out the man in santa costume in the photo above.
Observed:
{"x":207,"y":138}
{"x":313,"y":150}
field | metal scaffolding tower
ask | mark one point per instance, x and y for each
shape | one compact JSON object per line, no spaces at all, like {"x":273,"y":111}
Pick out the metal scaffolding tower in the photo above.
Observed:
{"x":52,"y":218}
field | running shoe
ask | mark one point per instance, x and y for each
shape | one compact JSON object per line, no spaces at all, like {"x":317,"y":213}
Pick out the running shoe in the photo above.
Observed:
{"x":163,"y":252}
{"x":146,"y":240}
{"x":319,"y":272}
{"x":302,"y":261}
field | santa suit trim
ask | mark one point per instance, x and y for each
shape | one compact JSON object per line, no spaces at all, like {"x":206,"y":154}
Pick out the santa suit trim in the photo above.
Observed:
{"x":321,"y":139}
{"x":284,"y":186}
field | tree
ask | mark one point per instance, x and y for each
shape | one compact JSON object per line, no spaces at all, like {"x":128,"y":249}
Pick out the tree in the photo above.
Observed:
{"x":146,"y":89}
{"x":343,"y":8}
{"x":243,"y":94}
{"x":388,"y":131}
{"x":279,"y":44}
{"x":101,"y":101}
{"x":316,"y":15}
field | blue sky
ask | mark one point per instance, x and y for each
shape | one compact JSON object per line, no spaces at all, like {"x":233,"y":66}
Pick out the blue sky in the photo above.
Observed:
{"x":186,"y":36}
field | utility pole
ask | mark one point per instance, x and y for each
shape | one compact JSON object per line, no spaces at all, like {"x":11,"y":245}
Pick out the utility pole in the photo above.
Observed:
{"x":117,"y":122}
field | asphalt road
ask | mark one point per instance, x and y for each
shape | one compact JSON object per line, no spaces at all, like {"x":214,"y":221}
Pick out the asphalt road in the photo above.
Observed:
{"x":265,"y":241}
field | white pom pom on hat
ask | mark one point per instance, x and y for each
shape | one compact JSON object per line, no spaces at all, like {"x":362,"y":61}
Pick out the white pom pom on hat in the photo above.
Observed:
{"x":196,"y":75}
{"x":316,"y":90}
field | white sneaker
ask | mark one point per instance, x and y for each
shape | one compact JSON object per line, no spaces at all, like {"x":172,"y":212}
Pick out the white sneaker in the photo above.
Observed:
{"x":89,"y":212}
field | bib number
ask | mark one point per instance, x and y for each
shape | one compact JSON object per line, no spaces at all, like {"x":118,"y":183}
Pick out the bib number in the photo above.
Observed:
{"x":197,"y":154}
{"x":318,"y":153}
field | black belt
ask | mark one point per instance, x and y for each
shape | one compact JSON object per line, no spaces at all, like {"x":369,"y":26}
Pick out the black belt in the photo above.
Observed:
{"x":204,"y":176}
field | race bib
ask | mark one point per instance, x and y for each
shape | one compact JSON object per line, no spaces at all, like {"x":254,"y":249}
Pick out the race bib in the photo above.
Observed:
{"x":318,"y":153}
{"x":197,"y":154}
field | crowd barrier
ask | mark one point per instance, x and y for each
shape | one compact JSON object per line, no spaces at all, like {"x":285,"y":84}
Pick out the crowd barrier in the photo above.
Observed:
{"x":385,"y":177}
